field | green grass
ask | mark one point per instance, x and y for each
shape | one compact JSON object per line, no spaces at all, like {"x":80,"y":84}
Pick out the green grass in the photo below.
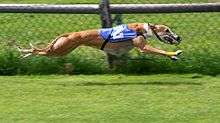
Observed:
{"x":162,"y":98}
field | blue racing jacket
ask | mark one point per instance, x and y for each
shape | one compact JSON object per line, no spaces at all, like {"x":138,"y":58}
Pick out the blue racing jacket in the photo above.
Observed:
{"x":117,"y":34}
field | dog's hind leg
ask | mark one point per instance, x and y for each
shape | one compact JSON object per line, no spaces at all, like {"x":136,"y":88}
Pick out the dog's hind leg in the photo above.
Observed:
{"x":62,"y":46}
{"x":58,"y":47}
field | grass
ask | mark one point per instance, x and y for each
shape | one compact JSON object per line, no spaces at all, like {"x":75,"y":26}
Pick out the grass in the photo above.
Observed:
{"x":161,"y":98}
{"x":187,"y":98}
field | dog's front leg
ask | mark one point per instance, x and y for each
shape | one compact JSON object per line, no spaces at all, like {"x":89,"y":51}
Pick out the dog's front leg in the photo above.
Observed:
{"x":141,"y":44}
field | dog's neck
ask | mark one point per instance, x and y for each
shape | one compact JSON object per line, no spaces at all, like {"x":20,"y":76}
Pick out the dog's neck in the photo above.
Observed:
{"x":145,"y":29}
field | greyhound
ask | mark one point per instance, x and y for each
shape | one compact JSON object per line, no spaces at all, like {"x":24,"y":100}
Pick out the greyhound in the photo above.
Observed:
{"x":116,"y":41}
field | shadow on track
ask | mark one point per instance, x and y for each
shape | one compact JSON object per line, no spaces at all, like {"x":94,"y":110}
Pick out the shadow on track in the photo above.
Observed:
{"x":138,"y":83}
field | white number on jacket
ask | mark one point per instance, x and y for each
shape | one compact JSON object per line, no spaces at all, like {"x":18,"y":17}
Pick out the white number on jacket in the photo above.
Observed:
{"x":118,"y":32}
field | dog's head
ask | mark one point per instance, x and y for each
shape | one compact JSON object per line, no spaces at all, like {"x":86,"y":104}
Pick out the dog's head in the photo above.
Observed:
{"x":165,"y":34}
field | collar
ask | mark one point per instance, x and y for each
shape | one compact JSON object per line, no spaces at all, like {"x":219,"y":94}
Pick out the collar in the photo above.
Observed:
{"x":148,"y":30}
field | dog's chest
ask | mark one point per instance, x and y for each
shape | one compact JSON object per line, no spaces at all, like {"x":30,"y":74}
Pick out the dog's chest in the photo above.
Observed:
{"x":119,"y":49}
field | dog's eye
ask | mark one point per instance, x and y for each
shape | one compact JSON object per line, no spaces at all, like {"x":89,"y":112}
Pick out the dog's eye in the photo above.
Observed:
{"x":167,"y":30}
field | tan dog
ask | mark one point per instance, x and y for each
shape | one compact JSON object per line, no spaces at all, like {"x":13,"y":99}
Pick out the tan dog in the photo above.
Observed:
{"x":65,"y":43}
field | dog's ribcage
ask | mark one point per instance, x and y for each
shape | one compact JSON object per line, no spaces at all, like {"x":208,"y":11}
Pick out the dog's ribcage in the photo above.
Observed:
{"x":119,"y":48}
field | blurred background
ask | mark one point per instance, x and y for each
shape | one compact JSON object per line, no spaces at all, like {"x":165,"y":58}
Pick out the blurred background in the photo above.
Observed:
{"x":200,"y":33}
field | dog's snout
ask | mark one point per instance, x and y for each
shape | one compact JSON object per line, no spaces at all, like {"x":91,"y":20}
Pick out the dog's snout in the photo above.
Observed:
{"x":178,"y":38}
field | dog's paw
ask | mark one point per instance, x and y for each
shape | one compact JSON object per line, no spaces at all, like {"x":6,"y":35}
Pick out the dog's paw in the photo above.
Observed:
{"x":178,"y":52}
{"x":174,"y":58}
